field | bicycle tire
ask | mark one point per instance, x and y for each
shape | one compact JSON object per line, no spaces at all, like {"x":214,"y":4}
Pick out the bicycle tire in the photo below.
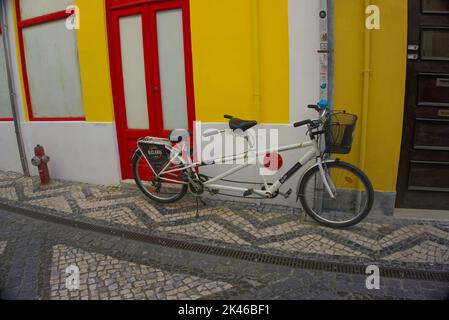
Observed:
{"x":146,"y":192}
{"x":356,"y":171}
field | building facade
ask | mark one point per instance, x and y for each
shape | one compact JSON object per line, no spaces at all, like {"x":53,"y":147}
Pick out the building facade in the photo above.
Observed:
{"x":144,"y":67}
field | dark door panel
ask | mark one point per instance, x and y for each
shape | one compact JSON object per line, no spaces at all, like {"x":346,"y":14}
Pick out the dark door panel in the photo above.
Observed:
{"x":431,"y":134}
{"x":433,"y":89}
{"x":423,"y":180}
{"x":435,"y":6}
{"x":429,"y":176}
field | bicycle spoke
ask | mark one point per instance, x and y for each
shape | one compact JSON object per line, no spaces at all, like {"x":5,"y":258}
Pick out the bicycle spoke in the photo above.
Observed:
{"x":164,"y":187}
{"x":351,"y":196}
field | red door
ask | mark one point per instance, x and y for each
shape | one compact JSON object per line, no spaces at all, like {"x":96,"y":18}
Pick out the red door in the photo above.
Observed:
{"x":151,"y":69}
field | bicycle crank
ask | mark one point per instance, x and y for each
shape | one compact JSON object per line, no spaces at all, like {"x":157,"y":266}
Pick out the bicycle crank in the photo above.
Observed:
{"x":196,"y":186}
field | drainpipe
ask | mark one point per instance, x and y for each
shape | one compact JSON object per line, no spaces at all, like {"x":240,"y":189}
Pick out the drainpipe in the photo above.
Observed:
{"x":331,"y":54}
{"x":256,"y":58}
{"x":366,"y":93}
{"x":14,"y":105}
{"x":255,"y":12}
{"x":326,"y":51}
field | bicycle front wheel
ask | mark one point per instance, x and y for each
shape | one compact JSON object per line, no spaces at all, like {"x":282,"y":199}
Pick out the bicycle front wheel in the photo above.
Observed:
{"x":352,"y":199}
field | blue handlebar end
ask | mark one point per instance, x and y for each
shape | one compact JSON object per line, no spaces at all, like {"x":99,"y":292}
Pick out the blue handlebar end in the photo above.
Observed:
{"x":323,"y":104}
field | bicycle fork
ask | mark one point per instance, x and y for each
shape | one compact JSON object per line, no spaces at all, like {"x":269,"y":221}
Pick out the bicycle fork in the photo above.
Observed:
{"x":327,"y":180}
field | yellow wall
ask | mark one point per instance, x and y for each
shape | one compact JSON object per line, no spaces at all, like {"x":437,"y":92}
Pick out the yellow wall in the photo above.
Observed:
{"x":387,"y":83}
{"x":223,"y":59}
{"x":223,"y":56}
{"x":222,"y":53}
{"x":94,"y":62}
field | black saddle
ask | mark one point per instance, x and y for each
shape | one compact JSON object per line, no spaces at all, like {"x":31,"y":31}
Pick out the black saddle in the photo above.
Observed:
{"x":239,"y":124}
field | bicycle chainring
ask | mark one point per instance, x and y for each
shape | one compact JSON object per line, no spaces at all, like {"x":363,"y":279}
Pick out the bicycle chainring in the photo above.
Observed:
{"x":196,"y":186}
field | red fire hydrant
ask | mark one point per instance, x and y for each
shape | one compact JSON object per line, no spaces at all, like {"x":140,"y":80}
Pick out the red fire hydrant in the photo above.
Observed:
{"x":40,"y":161}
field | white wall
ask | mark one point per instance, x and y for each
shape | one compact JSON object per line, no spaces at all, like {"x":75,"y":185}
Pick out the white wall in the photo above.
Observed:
{"x":78,"y":151}
{"x":304,"y":30}
{"x":9,"y":153}
{"x":287,"y":136}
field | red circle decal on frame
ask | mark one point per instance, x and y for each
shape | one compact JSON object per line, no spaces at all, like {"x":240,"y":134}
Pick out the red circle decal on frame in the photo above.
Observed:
{"x":273,"y":161}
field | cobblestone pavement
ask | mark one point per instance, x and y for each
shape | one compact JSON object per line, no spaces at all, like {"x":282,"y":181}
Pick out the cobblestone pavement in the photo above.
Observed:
{"x":36,"y":254}
{"x":265,"y":229}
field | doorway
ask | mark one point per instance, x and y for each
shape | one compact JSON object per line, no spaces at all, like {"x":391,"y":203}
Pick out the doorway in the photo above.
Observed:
{"x":151,"y":70}
{"x":423,"y":181}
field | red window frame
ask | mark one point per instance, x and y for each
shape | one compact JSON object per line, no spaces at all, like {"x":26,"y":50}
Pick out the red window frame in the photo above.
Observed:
{"x":21,"y":24}
{"x":4,"y":119}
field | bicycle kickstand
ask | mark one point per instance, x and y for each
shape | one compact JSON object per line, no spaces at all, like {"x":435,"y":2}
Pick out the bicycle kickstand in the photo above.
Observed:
{"x":198,"y":200}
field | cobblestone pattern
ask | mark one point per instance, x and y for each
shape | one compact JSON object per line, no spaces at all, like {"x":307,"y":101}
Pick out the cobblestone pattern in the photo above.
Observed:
{"x":3,"y":267}
{"x":3,"y":246}
{"x":37,"y":254}
{"x":266,"y":229}
{"x":104,"y":277}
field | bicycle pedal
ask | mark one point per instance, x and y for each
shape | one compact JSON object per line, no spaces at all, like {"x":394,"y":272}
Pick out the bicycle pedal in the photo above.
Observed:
{"x":248,"y":192}
{"x":287,"y":194}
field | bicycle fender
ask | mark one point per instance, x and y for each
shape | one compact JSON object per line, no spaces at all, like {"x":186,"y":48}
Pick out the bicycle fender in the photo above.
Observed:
{"x":311,"y":168}
{"x":136,"y":154}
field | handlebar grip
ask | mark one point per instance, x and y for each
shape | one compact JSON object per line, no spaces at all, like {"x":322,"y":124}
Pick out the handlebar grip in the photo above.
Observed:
{"x":228,"y":117}
{"x":303,"y":123}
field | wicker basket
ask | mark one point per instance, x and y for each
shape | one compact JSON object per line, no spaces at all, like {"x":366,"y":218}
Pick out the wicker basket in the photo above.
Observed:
{"x":340,"y":129}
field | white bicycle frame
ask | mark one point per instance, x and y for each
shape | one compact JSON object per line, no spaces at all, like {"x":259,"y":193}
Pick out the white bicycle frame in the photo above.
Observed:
{"x":269,"y":191}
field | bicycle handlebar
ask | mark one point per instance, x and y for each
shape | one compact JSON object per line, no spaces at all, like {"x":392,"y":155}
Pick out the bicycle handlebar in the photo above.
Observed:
{"x":316,"y":122}
{"x":315,"y":107}
{"x":303,"y":123}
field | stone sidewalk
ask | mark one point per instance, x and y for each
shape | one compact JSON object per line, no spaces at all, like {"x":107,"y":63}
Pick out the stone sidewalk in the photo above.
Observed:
{"x":270,"y":230}
{"x":35,"y":254}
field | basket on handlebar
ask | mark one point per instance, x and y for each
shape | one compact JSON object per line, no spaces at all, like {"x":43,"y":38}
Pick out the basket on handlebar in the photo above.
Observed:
{"x":340,"y":128}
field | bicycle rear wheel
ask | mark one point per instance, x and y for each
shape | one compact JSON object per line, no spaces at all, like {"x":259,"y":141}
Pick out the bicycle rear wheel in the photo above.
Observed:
{"x":354,"y":195}
{"x":158,"y":190}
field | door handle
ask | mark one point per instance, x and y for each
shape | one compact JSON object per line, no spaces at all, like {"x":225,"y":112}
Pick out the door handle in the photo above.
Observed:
{"x":443,"y":113}
{"x":443,"y":83}
{"x":412,"y":54}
